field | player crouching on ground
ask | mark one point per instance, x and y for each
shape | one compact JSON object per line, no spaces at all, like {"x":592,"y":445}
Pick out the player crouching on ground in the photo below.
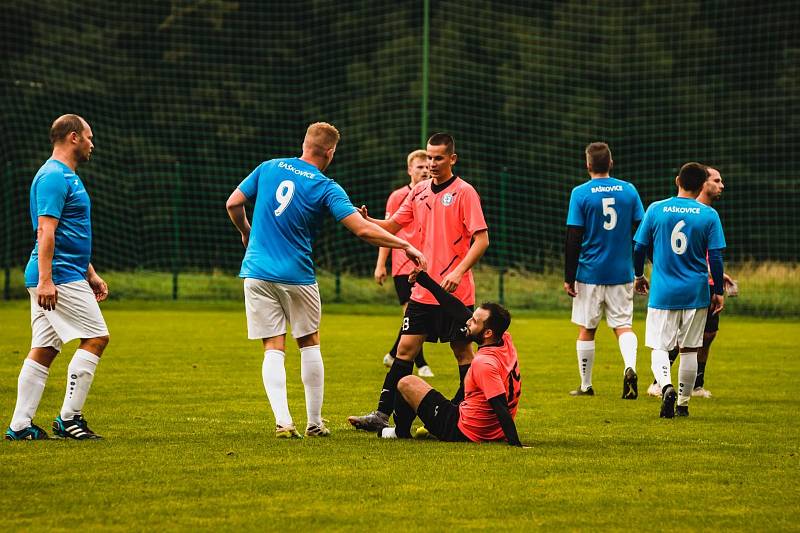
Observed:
{"x":492,"y":385}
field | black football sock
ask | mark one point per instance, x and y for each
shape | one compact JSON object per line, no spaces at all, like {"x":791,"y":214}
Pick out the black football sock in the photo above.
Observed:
{"x":419,"y":360}
{"x":701,"y":375}
{"x":462,"y":373}
{"x":673,"y":355}
{"x":403,"y":417}
{"x":393,"y":351}
{"x":399,"y":370}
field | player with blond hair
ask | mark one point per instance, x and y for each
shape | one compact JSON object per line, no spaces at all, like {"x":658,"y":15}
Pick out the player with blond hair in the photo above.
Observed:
{"x":417,"y":162}
{"x":291,"y":196}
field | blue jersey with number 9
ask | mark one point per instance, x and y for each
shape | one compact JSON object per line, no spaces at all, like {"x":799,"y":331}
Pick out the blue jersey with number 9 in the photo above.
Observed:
{"x":291,"y":198}
{"x":681,"y":231}
{"x":606,"y":209}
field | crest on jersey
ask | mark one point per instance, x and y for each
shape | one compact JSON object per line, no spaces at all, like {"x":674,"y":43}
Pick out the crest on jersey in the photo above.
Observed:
{"x":447,"y":199}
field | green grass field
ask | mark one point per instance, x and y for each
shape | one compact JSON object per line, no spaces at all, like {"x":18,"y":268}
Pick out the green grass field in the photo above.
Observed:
{"x":189,"y":436}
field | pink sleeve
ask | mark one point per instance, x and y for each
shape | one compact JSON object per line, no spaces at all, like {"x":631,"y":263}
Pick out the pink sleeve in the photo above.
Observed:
{"x":390,"y":208}
{"x":472,"y":214}
{"x":405,"y":213}
{"x":487,"y":377}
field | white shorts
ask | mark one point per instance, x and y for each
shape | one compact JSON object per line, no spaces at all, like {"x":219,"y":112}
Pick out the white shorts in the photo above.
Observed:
{"x":76,"y":316}
{"x":588,"y":305}
{"x":668,"y":328}
{"x":269,"y":305}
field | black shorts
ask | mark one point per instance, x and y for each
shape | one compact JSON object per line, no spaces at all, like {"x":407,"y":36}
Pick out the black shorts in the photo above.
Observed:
{"x":403,"y":288}
{"x":431,"y":321}
{"x":440,"y":417}
{"x":712,"y":320}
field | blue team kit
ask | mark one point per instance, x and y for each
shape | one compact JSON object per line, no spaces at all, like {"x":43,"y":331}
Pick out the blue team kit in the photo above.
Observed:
{"x":291,"y":198}
{"x":680,"y":231}
{"x":606,"y":209}
{"x":58,"y":192}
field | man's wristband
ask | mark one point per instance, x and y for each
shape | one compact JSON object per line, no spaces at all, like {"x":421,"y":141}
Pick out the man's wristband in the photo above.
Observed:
{"x":638,"y":277}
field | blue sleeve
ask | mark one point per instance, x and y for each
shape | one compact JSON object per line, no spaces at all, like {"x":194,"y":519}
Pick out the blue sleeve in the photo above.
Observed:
{"x":249,"y":186}
{"x":717,"y":268}
{"x":638,"y":208}
{"x":575,"y":214}
{"x":51,"y":193}
{"x":337,"y":202}
{"x":643,"y":233}
{"x":716,"y":237}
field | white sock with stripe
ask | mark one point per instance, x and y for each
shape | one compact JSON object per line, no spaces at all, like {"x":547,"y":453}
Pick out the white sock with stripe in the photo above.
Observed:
{"x":687,"y":373}
{"x":80,"y":374}
{"x":312,"y":371}
{"x":659,"y":363}
{"x":628,"y":344}
{"x":30,"y":386}
{"x":585,"y":351}
{"x":273,"y":372}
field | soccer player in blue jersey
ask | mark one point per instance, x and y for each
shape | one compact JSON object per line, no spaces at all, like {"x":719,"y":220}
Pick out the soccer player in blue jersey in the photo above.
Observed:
{"x":712,"y":191}
{"x":680,"y":231}
{"x":291,"y":197}
{"x":63,"y":286}
{"x":598,"y":271}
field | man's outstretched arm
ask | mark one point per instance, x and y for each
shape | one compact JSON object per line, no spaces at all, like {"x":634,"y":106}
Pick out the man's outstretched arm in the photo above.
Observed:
{"x":449,"y":303}
{"x":500,"y":406}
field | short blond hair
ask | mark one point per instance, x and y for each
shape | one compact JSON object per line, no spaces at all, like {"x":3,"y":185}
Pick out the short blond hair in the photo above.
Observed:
{"x":321,"y":136}
{"x":417,"y":154}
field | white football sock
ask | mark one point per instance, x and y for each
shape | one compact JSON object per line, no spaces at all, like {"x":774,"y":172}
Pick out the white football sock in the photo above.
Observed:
{"x":585,"y":362}
{"x":30,"y":386}
{"x":274,"y":375}
{"x":687,"y":373}
{"x":659,"y":363}
{"x":312,"y":371}
{"x":628,"y":343}
{"x":80,"y":374}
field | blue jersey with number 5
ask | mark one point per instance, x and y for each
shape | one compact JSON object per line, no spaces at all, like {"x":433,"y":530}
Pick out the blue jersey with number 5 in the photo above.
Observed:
{"x":606,"y":209}
{"x":681,"y":231}
{"x":291,"y":198}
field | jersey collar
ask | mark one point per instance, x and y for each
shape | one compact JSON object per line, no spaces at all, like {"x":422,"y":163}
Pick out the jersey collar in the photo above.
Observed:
{"x":442,"y":186}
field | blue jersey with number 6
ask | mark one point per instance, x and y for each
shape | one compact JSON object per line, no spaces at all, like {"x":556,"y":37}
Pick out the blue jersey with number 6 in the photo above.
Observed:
{"x":606,"y":209}
{"x":681,"y":231}
{"x":291,"y":198}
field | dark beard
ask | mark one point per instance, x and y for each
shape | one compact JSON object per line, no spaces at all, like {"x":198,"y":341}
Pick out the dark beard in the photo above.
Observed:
{"x":477,"y":337}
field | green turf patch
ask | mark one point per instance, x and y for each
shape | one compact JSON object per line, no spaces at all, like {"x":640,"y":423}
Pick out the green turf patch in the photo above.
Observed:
{"x":189,"y":437}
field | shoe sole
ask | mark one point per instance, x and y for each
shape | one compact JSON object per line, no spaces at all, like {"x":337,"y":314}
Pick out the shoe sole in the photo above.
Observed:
{"x":668,"y":404}
{"x":364,"y":427}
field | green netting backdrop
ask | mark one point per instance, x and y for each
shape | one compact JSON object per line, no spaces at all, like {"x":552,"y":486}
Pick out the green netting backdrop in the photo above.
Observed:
{"x":186,"y":97}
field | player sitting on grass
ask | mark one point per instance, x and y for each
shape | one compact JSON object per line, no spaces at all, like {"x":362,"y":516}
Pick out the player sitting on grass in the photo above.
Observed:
{"x":492,"y":385}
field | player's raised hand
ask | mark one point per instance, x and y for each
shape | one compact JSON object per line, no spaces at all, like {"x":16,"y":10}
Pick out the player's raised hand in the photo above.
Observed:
{"x":416,"y":257}
{"x":451,"y":281}
{"x":380,"y":274}
{"x":99,"y":287}
{"x":47,"y":294}
{"x":569,"y":288}
{"x":363,"y":212}
{"x":641,"y":286}
{"x":717,"y":303}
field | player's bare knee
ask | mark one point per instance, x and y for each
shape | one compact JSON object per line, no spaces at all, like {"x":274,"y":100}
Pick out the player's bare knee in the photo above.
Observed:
{"x":312,"y":339}
{"x":96,"y":345}
{"x":405,"y":385}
